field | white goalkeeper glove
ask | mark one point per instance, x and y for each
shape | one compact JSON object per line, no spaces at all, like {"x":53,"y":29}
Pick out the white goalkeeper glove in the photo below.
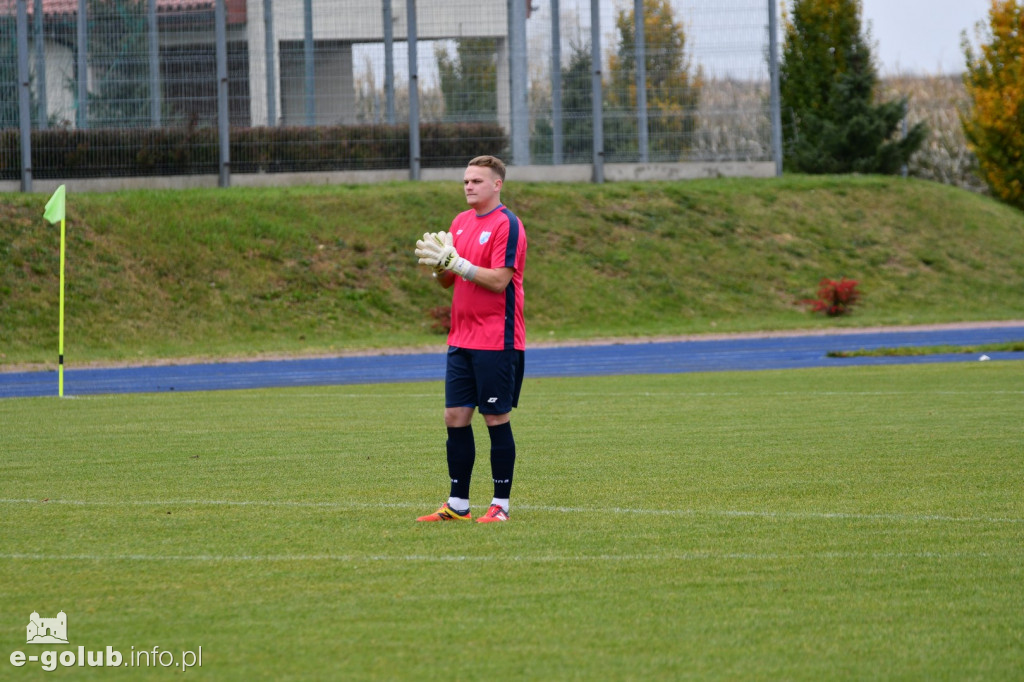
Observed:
{"x":429,"y":250}
{"x":451,"y":260}
{"x":438,"y":251}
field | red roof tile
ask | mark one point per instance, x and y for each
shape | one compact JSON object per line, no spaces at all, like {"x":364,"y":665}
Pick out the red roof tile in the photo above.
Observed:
{"x":235,"y":8}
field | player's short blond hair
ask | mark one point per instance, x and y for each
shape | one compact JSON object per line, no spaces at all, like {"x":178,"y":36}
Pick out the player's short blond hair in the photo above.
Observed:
{"x":492,"y":162}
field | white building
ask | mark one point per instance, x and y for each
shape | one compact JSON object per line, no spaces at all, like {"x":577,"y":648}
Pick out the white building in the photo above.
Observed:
{"x":187,"y":53}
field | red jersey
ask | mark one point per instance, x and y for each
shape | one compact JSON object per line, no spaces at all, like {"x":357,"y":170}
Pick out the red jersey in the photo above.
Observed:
{"x":482,"y":319}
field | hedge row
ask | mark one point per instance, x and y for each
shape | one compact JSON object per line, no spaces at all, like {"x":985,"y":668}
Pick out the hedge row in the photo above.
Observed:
{"x":64,"y":153}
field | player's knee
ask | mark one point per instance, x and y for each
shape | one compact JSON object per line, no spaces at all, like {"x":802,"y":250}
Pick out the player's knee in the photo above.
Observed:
{"x":497,"y":419}
{"x":457,"y":417}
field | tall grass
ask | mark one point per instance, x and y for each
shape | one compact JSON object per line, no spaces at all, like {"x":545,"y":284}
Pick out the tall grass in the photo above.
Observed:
{"x":939,"y":102}
{"x":733,"y":123}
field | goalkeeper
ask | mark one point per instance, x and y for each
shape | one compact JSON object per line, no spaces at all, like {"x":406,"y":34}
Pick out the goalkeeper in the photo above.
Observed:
{"x":482,"y":256}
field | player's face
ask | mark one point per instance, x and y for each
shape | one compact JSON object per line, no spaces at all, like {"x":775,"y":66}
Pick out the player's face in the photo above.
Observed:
{"x":482,"y":187}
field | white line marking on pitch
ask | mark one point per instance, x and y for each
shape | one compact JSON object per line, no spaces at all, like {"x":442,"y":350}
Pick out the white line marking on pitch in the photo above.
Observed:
{"x":343,"y":506}
{"x":542,"y":558}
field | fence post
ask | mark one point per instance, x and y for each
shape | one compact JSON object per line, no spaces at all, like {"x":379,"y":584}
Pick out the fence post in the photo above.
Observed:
{"x":223,"y":128}
{"x":309,"y":57}
{"x":775,"y":99}
{"x":414,"y":93}
{"x":518,"y":108}
{"x":556,"y":83}
{"x":595,"y":91}
{"x":904,"y":169}
{"x":155,"y":98}
{"x":270,"y":59}
{"x":641,"y":80}
{"x":82,"y":67}
{"x":37,"y":37}
{"x":24,"y":97}
{"x":389,"y":63}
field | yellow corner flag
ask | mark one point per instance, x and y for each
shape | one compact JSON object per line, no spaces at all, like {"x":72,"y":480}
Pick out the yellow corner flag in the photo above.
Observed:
{"x":55,"y":211}
{"x":55,"y":206}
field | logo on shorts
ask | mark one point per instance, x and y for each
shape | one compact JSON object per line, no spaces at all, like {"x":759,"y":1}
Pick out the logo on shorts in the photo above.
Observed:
{"x":484,"y":237}
{"x":491,"y":401}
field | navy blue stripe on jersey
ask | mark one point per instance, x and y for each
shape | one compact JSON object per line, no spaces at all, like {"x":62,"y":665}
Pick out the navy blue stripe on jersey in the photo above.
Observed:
{"x":510,"y":317}
{"x":510,"y":291}
{"x":513,"y":238}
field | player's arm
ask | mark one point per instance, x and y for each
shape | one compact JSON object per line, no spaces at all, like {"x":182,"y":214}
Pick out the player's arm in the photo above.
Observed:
{"x":493,"y":279}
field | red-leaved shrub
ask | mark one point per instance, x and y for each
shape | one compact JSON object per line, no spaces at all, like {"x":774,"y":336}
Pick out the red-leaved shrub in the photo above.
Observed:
{"x":834,"y":298}
{"x":442,"y":316}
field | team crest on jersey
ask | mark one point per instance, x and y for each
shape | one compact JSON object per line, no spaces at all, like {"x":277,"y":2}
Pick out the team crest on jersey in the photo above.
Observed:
{"x":484,"y":237}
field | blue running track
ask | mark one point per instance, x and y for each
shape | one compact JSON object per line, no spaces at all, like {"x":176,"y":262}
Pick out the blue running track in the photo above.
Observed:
{"x":738,"y":353}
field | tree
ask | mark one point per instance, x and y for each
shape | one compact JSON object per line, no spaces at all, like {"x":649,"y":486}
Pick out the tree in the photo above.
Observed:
{"x":672,"y":91}
{"x":831,"y":123}
{"x":10,"y":92}
{"x":577,"y":112}
{"x":9,"y":112}
{"x":469,"y":81}
{"x":120,"y":81}
{"x":994,"y":126}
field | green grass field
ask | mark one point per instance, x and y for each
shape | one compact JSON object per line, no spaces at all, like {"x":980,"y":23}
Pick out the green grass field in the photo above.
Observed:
{"x":858,"y":523}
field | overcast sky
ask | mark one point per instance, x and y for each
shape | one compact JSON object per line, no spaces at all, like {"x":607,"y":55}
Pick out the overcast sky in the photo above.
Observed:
{"x":922,"y":36}
{"x":910,"y":36}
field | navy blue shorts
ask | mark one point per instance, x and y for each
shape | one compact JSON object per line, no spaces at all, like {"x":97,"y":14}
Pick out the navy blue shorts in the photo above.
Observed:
{"x":486,"y":379}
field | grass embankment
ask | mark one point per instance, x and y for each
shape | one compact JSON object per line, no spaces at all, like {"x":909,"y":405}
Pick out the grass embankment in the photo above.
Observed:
{"x":911,"y":351}
{"x":245,"y":272}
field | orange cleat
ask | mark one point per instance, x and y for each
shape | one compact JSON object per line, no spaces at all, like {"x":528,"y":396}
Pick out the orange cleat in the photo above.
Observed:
{"x":446,"y":513}
{"x":494,"y":514}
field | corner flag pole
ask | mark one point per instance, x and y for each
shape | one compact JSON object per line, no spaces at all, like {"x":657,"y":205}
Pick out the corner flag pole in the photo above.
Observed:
{"x":55,"y":211}
{"x":60,"y":333}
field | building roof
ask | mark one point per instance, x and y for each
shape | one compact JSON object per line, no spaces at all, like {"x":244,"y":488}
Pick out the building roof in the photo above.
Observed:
{"x":58,"y":8}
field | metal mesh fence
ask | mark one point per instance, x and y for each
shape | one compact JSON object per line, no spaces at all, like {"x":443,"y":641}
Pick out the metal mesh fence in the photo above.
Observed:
{"x":151,"y":87}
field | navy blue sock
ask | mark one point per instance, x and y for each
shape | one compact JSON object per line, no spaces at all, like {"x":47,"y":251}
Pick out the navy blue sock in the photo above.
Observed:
{"x":461,"y":455}
{"x":503,"y":458}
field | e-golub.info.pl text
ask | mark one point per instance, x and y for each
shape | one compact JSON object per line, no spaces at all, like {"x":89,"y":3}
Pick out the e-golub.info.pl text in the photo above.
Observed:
{"x":110,"y":658}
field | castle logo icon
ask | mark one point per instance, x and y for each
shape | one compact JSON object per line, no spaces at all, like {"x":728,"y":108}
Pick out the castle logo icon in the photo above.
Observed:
{"x":47,"y":630}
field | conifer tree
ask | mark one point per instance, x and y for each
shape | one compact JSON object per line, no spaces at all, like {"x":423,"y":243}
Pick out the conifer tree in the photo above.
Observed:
{"x":120,"y":80}
{"x":469,"y":80}
{"x":831,"y":123}
{"x":577,"y":121}
{"x":8,"y":73}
